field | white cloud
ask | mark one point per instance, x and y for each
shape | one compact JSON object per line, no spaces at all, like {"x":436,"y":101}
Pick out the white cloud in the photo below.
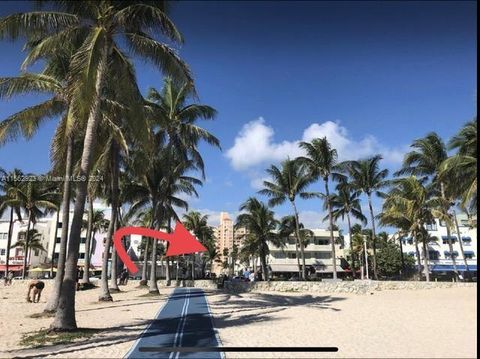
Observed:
{"x":255,"y":145}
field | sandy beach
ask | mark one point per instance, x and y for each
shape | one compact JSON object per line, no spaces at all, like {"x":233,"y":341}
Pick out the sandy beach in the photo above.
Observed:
{"x":400,"y":323}
{"x":397,"y":324}
{"x":121,"y":321}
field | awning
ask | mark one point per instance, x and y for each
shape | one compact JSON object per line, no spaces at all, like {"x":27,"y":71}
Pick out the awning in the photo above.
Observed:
{"x":453,"y":238}
{"x":284,"y":267}
{"x":14,"y":268}
{"x":447,"y":253}
{"x":466,"y":239}
{"x":469,"y":252}
{"x":327,"y":269}
{"x":449,"y":268}
{"x":411,"y":253}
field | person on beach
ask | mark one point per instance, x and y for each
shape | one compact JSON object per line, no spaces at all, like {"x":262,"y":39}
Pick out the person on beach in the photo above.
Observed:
{"x":37,"y":287}
{"x":8,"y":279}
{"x":123,"y":277}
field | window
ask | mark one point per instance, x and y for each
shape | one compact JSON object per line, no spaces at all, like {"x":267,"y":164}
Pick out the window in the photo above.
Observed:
{"x":83,"y":239}
{"x":433,"y":255}
{"x":36,"y":252}
{"x":411,"y":254}
{"x":4,"y":235}
{"x":447,"y":254}
{"x":469,"y":255}
{"x":292,"y":255}
{"x":464,"y":223}
{"x":59,"y":225}
{"x":431,"y":227}
{"x":2,"y":252}
{"x":445,"y":239}
{"x":321,"y":241}
{"x":323,"y":255}
{"x":81,"y":256}
{"x":59,"y":239}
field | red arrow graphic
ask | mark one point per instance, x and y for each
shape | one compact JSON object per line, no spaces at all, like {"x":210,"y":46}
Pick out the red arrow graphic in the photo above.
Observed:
{"x":181,"y":242}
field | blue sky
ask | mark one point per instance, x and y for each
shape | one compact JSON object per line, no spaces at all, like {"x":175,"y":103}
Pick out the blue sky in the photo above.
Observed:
{"x":371,"y":76}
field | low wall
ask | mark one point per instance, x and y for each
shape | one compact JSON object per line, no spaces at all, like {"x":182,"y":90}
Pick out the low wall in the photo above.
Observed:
{"x":357,"y":287}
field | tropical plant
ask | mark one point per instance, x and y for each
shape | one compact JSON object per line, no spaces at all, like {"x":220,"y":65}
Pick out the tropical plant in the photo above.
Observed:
{"x":288,"y":182}
{"x":346,"y":203}
{"x":367,"y":177}
{"x":411,"y":204}
{"x":10,"y":183}
{"x":460,"y":170}
{"x":321,"y":160}
{"x":198,"y":224}
{"x":33,"y":198}
{"x":426,"y":159}
{"x":261,"y":225}
{"x":176,"y":116}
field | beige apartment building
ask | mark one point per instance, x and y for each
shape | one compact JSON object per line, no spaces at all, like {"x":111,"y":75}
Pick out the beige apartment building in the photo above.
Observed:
{"x":226,"y":236}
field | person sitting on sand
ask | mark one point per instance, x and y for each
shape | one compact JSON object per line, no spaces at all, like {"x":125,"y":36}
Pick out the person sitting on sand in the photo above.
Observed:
{"x":37,"y":286}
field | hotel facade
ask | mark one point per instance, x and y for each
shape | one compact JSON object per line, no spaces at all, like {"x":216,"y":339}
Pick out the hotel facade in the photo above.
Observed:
{"x":440,"y":259}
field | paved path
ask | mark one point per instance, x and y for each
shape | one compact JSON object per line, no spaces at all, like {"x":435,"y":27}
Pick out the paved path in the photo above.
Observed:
{"x":185,"y":321}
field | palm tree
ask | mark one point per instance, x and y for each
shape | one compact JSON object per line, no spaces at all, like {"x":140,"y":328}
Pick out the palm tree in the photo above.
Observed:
{"x":175,"y":115}
{"x":198,"y":224}
{"x":321,"y":160}
{"x":261,"y":225}
{"x":99,"y":24}
{"x":212,"y":253}
{"x":367,"y":177}
{"x":96,"y":223}
{"x":426,"y":159}
{"x":35,"y":242}
{"x":410,"y":203}
{"x":32,"y":197}
{"x":288,"y":182}
{"x":158,"y":187}
{"x":460,"y":170}
{"x":10,"y":183}
{"x":346,"y":202}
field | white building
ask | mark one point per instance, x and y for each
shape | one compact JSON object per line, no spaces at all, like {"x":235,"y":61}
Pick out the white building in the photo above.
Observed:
{"x":440,"y":258}
{"x":46,"y":228}
{"x":282,"y":261}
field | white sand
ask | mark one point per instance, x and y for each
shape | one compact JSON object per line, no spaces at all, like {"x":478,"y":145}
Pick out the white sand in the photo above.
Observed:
{"x":421,"y":323}
{"x":123,"y":320}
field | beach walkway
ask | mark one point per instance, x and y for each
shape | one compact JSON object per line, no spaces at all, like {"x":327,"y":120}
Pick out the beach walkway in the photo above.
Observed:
{"x":184,"y":322}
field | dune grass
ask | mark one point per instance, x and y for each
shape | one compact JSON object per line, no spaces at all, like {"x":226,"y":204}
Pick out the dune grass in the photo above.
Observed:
{"x":45,"y":337}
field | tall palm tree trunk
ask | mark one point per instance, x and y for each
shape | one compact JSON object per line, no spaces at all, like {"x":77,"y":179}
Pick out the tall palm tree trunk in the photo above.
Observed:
{"x":351,"y":245}
{"x":461,"y":244}
{"x":168,"y":275}
{"x":9,"y":242}
{"x":145,"y":263}
{"x":365,"y":252}
{"x":417,"y":253}
{"x":263,"y":262}
{"x":425,"y":260}
{"x":54,"y":243}
{"x":53,"y":299}
{"x":449,"y":233}
{"x":106,"y":296}
{"x":302,"y":270}
{"x":152,"y":285}
{"x":88,"y":241}
{"x":374,"y":236}
{"x":402,"y":259}
{"x":65,"y":315}
{"x":25,"y":247}
{"x":332,"y":239}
